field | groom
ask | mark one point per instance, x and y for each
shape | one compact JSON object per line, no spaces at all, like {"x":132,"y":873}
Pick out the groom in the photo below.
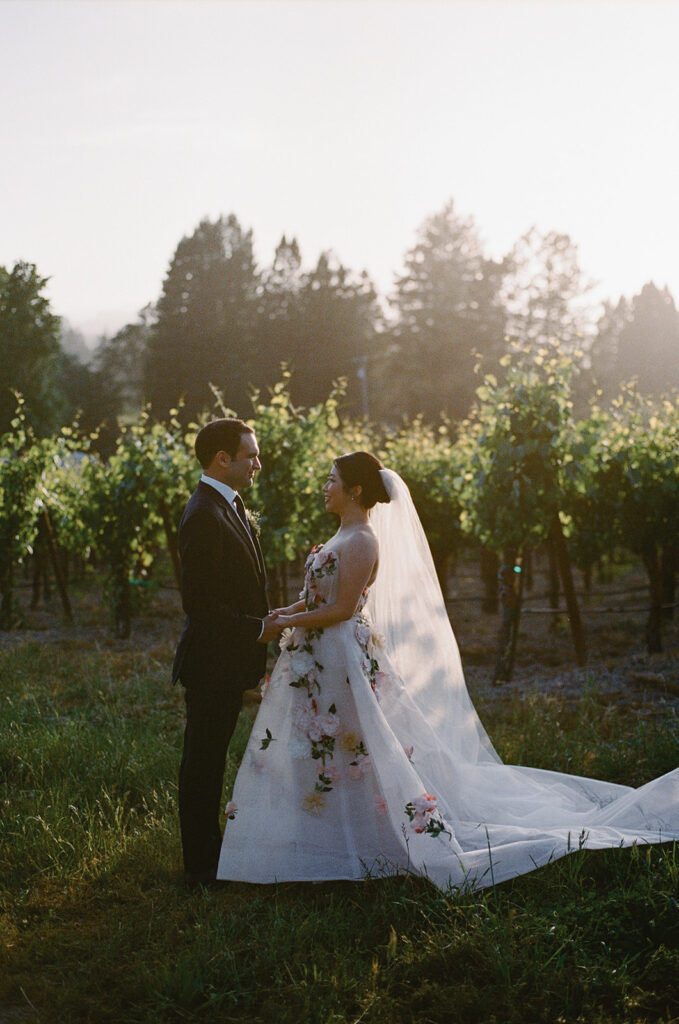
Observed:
{"x":222,"y":649}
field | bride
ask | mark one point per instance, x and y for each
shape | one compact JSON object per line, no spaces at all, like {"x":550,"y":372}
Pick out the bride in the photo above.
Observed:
{"x":367,"y":757}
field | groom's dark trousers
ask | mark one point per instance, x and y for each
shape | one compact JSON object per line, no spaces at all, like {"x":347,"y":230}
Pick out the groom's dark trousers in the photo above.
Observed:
{"x":224,"y":597}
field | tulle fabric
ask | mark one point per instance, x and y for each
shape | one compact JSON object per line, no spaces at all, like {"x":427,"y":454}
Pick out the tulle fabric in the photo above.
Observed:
{"x":430,"y":796}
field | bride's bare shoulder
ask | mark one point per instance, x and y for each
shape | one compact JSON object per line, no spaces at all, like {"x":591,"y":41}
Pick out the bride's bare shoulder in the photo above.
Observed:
{"x":360,"y":544}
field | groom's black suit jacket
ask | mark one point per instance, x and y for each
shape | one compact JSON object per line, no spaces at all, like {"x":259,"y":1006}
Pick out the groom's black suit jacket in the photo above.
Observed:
{"x":223,"y":595}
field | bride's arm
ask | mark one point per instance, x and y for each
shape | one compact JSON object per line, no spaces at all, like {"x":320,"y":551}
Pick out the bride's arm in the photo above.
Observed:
{"x":290,"y":609}
{"x":358,"y":559}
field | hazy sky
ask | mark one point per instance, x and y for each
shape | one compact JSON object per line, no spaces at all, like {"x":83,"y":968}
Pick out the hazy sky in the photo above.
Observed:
{"x":124,"y":122}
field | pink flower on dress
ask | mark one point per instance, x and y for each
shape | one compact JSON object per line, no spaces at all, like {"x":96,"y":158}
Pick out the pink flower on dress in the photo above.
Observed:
{"x":379,"y":683}
{"x":425,"y":804}
{"x":231,"y":809}
{"x":363,"y":633}
{"x":314,"y":730}
{"x":380,"y":805}
{"x":330,"y":771}
{"x":302,"y":716}
{"x":408,"y":751}
{"x":420,"y":811}
{"x":359,"y":767}
{"x":329,"y":723}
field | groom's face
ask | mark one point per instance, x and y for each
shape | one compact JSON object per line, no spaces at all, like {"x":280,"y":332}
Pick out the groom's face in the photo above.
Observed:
{"x":241,"y":469}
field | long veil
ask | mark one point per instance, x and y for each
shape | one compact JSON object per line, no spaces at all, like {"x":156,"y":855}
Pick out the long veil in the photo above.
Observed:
{"x":407,"y":607}
{"x":505,"y":819}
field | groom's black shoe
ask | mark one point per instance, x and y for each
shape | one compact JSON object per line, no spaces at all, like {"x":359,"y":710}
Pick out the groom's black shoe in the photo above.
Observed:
{"x":196,"y":879}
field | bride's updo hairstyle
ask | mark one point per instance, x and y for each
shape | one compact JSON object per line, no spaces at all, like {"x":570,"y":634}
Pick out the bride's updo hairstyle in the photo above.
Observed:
{"x":361,"y":469}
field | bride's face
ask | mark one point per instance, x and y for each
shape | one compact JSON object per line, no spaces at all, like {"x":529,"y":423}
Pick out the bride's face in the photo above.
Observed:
{"x":334,"y":495}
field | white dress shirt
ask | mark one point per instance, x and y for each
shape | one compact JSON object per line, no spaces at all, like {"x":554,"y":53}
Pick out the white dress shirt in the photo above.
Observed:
{"x":223,"y":489}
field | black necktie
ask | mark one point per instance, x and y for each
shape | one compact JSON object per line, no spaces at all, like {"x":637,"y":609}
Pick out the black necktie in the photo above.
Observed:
{"x":240,"y":509}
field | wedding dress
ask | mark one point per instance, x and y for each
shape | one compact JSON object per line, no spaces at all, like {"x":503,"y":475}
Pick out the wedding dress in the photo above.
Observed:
{"x":367,"y":757}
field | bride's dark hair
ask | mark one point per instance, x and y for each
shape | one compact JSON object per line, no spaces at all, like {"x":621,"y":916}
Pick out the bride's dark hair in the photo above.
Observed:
{"x":363,"y":469}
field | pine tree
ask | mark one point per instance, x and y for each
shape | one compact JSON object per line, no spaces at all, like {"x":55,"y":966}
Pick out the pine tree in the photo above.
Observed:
{"x":545,"y":292}
{"x":447,"y":312}
{"x":30,"y":350}
{"x":322,"y":323}
{"x":207,"y":318}
{"x":121,"y":361}
{"x":603,"y":353}
{"x":338,"y":334}
{"x":648,"y":344}
{"x":279,"y":311}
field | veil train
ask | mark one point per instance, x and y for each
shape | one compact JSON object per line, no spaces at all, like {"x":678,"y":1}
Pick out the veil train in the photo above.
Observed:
{"x":505,"y":820}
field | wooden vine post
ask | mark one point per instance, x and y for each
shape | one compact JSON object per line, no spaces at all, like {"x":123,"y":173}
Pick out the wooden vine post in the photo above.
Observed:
{"x":40,"y":574}
{"x":491,"y":577}
{"x":553,"y":588}
{"x":511,"y":597}
{"x":669,"y":565}
{"x":651,"y":559}
{"x":56,"y":566}
{"x":566,"y":575}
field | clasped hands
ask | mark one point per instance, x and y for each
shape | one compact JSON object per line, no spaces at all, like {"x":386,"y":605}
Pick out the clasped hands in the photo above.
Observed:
{"x":274,"y":624}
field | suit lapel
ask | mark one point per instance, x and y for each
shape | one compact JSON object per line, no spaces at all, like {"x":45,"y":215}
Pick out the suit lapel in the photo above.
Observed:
{"x":236,"y":523}
{"x":252,"y":542}
{"x":258,"y":551}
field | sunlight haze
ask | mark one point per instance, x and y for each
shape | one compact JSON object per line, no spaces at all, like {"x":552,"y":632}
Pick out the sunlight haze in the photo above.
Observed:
{"x":344,"y":124}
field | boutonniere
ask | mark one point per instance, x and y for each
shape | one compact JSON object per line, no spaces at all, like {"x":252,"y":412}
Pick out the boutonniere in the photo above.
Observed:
{"x":253,"y":519}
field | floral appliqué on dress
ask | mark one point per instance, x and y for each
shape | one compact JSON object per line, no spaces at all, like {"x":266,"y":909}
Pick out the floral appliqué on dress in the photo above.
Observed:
{"x":316,"y":728}
{"x":423,"y":815}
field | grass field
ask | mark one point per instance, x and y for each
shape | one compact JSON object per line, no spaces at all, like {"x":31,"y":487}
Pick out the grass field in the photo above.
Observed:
{"x":96,"y":925}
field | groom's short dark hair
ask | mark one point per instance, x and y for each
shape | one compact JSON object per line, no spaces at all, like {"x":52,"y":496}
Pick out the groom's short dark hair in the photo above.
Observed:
{"x":219,"y":436}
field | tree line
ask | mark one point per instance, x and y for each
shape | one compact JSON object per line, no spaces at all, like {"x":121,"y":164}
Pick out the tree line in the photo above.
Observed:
{"x":223,"y":322}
